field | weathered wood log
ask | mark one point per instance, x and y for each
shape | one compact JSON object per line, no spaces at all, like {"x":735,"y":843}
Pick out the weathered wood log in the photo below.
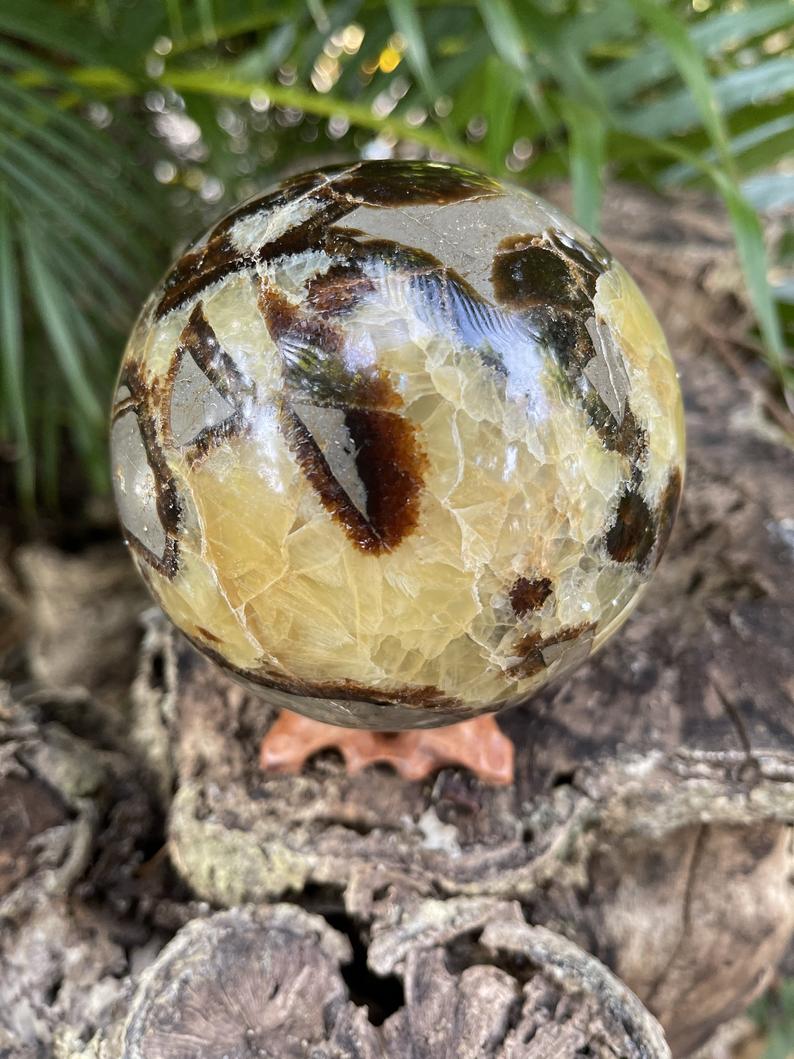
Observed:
{"x":53,"y":788}
{"x":75,"y":818}
{"x":83,"y":628}
{"x":650,"y":818}
{"x":649,"y":825}
{"x":474,"y":980}
{"x":49,"y":782}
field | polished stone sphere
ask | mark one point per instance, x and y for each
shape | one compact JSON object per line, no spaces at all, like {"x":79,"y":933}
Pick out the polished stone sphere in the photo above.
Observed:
{"x":396,"y":444}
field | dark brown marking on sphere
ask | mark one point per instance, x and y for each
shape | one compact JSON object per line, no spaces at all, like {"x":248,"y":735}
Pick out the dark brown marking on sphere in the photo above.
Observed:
{"x":406,"y":183}
{"x":431,"y":277}
{"x":199,"y":341}
{"x":211,"y":437}
{"x":550,"y":269}
{"x":567,"y":335}
{"x":390,"y":465}
{"x":330,"y":492}
{"x":207,"y":635}
{"x":315,"y":233}
{"x":311,"y":349}
{"x":527,"y":596}
{"x":632,"y":537}
{"x":552,"y":278}
{"x":388,"y":458}
{"x":286,"y":192}
{"x":339,"y":290}
{"x":120,"y":408}
{"x":336,"y":192}
{"x":442,"y":297}
{"x":199,"y":269}
{"x":292,"y":327}
{"x":422,"y":696}
{"x":331,"y":495}
{"x":169,"y":508}
{"x":420,"y":265}
{"x":667,"y":511}
{"x":218,"y":257}
{"x":628,"y":438}
{"x":525,"y":274}
{"x":591,"y":261}
{"x":531,"y":646}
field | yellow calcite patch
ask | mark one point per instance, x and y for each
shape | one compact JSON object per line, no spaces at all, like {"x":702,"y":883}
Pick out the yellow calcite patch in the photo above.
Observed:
{"x":432,"y":475}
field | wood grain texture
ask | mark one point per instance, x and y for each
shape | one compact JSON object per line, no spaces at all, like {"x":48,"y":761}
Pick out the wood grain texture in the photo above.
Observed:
{"x":476,"y":981}
{"x":649,"y":828}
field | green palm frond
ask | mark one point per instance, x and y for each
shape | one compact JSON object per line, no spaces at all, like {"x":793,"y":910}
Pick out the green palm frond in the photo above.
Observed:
{"x":124,"y":126}
{"x":78,"y":247}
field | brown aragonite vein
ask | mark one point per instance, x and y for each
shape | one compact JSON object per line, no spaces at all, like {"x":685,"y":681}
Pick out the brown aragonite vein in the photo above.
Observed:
{"x":311,"y":349}
{"x":633,"y":534}
{"x":390,"y":466}
{"x":529,"y":595}
{"x":407,"y":183}
{"x":199,"y":269}
{"x":336,"y":192}
{"x":207,"y":635}
{"x":667,"y":510}
{"x":525,"y":273}
{"x":199,"y":342}
{"x":591,"y":261}
{"x":219,"y":257}
{"x":166,"y":496}
{"x":386,"y":463}
{"x":334,"y":498}
{"x":121,"y":406}
{"x":531,"y":647}
{"x":442,"y":298}
{"x":546,"y":269}
{"x":339,"y":290}
{"x":550,"y":279}
{"x":421,"y":696}
{"x":303,"y":329}
{"x":566,"y":334}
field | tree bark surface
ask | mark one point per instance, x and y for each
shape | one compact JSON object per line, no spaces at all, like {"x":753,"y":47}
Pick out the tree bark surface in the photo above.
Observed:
{"x":648,"y":829}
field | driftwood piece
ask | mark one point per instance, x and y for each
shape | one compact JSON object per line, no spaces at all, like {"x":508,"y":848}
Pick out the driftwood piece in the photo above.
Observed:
{"x":475,"y":981}
{"x":650,"y":818}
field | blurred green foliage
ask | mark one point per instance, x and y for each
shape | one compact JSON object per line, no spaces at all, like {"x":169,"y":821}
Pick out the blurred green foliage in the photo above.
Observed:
{"x":774,"y":1015}
{"x":126,"y":125}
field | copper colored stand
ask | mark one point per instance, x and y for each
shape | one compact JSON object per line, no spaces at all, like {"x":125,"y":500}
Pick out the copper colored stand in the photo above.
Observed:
{"x":478,"y":745}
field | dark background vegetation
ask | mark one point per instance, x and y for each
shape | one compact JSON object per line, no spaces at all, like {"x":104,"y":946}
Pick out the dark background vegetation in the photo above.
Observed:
{"x":127,"y":125}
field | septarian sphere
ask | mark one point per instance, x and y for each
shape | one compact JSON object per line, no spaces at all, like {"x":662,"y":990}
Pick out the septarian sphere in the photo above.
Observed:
{"x":396,"y":444}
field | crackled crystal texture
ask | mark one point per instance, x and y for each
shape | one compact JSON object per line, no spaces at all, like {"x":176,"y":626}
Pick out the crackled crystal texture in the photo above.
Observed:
{"x":397,"y":444}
